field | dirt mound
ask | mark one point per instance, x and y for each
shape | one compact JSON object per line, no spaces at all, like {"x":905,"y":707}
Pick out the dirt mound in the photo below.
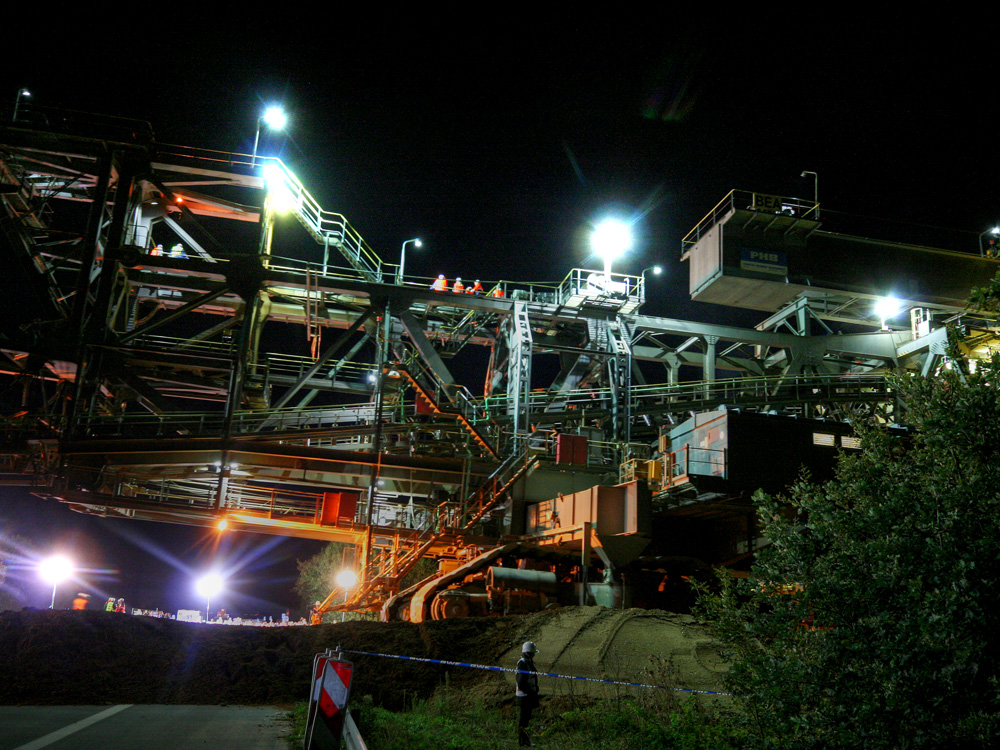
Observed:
{"x":633,"y":645}
{"x":66,"y":657}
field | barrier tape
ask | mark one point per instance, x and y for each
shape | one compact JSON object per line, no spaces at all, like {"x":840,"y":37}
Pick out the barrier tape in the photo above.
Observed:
{"x":490,"y":668}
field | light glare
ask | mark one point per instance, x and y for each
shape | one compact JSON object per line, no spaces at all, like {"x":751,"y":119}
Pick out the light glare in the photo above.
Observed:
{"x":275,"y":118}
{"x":56,"y":569}
{"x":347,"y":579}
{"x":887,"y":307}
{"x":611,"y":239}
{"x":209,"y":584}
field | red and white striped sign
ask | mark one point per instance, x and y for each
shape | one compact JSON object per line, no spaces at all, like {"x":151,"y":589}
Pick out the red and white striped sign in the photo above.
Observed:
{"x":331,"y":690}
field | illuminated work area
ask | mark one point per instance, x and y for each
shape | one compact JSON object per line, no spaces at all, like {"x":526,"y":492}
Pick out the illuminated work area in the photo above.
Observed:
{"x":537,"y":439}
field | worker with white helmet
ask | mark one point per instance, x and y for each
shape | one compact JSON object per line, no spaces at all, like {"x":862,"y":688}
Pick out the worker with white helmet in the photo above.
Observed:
{"x":526,"y":681}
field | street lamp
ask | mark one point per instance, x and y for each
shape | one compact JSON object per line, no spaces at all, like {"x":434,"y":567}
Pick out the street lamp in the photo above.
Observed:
{"x":346,"y":579}
{"x":55,"y":570}
{"x":610,"y":240}
{"x":402,"y":258}
{"x":815,"y":189}
{"x":275,"y":119}
{"x":995,"y":231}
{"x":209,"y":585}
{"x":21,"y":94}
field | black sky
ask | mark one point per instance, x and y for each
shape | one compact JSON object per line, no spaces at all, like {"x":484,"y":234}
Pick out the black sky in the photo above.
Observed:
{"x":499,"y":141}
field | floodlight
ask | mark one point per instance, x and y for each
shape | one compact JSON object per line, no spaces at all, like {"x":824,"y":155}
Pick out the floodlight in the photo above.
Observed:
{"x":55,"y":570}
{"x":888,"y":307}
{"x":275,"y":117}
{"x":611,"y":239}
{"x":347,"y":579}
{"x":208,"y":586}
{"x":222,"y":525}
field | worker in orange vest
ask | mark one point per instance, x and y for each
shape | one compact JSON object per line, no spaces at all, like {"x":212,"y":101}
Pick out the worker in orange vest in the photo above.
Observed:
{"x":81,"y":601}
{"x":476,"y":288}
{"x":497,"y":291}
{"x":459,"y":286}
{"x":440,"y":284}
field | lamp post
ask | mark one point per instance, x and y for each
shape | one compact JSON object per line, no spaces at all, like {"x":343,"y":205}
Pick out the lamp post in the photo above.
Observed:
{"x":276,"y":119}
{"x":347,"y":579}
{"x":55,"y":570}
{"x":209,"y":585}
{"x":402,"y":258}
{"x":610,"y":240}
{"x":657,"y":270}
{"x":21,"y":94}
{"x":815,"y":189}
{"x":995,"y":231}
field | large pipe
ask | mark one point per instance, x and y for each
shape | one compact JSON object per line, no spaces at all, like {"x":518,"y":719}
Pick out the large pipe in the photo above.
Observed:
{"x":527,"y":580}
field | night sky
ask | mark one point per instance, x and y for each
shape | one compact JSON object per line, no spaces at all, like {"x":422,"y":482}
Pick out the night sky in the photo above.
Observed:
{"x":499,"y":143}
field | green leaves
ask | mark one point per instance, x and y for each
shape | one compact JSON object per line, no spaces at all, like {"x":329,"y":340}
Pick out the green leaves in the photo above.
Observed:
{"x":868,"y":622}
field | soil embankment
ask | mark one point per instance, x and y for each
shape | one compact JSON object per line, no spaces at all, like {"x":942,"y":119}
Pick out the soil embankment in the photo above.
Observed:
{"x":92,"y":658}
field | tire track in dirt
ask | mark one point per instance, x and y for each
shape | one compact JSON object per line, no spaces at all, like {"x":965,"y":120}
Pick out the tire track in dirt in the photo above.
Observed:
{"x":650,"y":647}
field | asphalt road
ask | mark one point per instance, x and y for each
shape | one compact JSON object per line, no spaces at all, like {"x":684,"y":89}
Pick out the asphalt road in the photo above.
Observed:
{"x":143,"y":727}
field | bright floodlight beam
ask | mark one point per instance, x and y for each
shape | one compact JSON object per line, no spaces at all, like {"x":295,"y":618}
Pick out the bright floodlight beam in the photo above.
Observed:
{"x":346,"y":579}
{"x":886,"y":308}
{"x":209,"y":585}
{"x":55,"y":570}
{"x":611,"y":239}
{"x":275,"y":119}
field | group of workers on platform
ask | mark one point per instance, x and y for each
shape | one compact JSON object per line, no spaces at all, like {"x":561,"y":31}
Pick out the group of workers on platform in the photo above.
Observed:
{"x":441,"y":285}
{"x":177,"y":251}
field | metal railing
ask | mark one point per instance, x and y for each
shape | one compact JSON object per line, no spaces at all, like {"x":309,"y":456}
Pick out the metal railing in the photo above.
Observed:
{"x":687,"y":461}
{"x":745,"y":199}
{"x":596,"y":285}
{"x":326,"y":227}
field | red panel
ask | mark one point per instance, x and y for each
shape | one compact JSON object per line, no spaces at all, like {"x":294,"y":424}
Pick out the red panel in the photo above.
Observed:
{"x":339,"y":508}
{"x":422,"y":406}
{"x":571,"y":449}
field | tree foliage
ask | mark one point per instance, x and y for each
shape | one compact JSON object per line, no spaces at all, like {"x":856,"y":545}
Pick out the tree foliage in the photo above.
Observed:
{"x":317,"y":575}
{"x":870,"y":621}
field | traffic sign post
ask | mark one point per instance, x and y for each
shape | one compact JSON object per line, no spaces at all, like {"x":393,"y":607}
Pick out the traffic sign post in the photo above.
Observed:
{"x":328,"y":702}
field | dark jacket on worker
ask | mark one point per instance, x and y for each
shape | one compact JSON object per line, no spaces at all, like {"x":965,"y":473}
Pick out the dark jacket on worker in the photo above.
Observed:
{"x":527,"y":684}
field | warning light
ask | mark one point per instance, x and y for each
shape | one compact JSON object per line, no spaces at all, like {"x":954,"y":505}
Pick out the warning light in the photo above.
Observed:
{"x":222,"y":525}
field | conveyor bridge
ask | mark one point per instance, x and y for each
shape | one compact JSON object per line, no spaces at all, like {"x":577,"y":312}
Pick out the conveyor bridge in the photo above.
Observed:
{"x":177,"y":361}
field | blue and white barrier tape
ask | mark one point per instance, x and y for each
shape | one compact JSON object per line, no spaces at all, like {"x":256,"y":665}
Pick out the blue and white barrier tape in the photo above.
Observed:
{"x":540,"y":674}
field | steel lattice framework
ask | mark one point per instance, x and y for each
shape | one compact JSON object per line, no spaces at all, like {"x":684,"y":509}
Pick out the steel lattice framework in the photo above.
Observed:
{"x":184,"y":367}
